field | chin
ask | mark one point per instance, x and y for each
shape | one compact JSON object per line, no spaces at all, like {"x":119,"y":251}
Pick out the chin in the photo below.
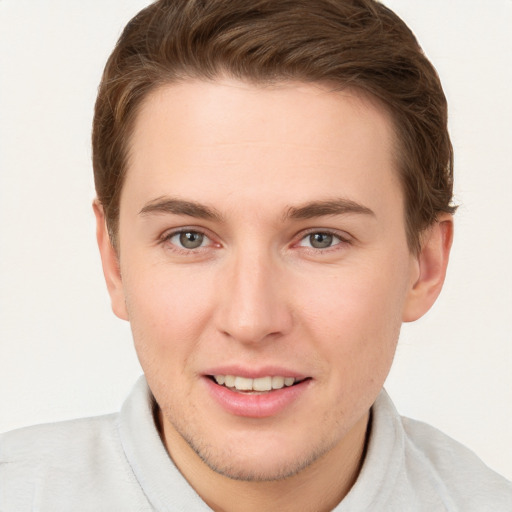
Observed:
{"x":256,"y":471}
{"x":266,"y":462}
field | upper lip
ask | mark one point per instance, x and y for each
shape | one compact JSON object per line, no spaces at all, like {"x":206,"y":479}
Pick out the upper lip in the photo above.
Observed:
{"x":255,"y":373}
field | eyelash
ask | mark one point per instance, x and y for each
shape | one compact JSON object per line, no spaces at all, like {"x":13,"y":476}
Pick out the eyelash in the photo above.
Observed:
{"x":168,"y":236}
{"x":342,"y":240}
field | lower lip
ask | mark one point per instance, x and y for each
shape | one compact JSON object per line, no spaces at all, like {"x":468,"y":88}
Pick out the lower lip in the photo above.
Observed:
{"x":256,"y":405}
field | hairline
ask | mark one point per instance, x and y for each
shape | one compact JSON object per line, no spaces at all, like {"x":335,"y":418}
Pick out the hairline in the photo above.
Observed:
{"x":397,"y":149}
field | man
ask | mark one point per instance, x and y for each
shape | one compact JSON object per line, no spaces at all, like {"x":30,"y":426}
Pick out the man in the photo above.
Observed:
{"x":274,"y":187}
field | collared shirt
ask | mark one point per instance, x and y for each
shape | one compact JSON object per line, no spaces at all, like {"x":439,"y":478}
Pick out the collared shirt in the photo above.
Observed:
{"x":119,"y":463}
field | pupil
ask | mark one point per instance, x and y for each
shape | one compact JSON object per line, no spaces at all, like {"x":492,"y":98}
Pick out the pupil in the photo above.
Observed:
{"x":320,"y":240}
{"x":191,"y":239}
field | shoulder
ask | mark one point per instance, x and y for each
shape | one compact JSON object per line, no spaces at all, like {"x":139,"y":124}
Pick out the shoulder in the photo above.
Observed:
{"x":453,"y":470}
{"x":412,"y":466}
{"x":34,"y":434}
{"x":70,"y":442}
{"x":63,"y":462}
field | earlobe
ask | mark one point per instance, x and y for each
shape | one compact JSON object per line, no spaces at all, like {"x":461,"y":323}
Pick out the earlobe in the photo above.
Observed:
{"x":432,"y":262}
{"x":110,"y":264}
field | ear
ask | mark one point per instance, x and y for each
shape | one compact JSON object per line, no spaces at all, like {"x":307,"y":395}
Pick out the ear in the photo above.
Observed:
{"x":431,"y":265}
{"x":110,"y":263}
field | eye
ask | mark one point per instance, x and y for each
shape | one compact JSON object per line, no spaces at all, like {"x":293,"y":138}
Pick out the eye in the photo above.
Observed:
{"x":188,"y":239}
{"x":320,"y":240}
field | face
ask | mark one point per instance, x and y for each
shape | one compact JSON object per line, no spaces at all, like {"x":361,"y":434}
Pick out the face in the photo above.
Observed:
{"x":264,"y":268}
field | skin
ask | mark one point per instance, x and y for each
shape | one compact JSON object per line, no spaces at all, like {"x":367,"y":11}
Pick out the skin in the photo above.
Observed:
{"x":256,"y":294}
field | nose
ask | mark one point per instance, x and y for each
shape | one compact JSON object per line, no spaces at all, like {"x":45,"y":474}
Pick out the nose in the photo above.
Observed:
{"x":254,"y":305}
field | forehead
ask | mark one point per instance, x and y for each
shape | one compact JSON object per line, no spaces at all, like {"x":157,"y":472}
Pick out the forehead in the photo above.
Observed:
{"x":234,"y":141}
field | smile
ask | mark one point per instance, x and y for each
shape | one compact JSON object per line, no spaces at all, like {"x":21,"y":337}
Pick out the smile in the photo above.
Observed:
{"x":260,"y":384}
{"x":259,"y":397}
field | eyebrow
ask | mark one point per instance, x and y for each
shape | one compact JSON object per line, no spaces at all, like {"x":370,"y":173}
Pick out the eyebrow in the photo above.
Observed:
{"x":310,"y":210}
{"x":180,"y":207}
{"x":338,"y":206}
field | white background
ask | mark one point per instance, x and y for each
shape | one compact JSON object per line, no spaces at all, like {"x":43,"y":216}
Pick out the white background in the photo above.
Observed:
{"x":62,"y":352}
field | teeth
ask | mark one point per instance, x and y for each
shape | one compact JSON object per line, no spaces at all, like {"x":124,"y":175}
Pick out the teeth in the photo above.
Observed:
{"x":277,"y":382}
{"x":262,"y":384}
{"x":243,"y":384}
{"x":229,"y":381}
{"x":259,"y":384}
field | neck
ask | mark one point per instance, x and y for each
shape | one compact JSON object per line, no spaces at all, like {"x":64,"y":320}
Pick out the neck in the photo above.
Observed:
{"x":319,"y":487}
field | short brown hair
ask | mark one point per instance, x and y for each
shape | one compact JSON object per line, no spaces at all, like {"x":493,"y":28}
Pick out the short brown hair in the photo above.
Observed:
{"x":349,"y":43}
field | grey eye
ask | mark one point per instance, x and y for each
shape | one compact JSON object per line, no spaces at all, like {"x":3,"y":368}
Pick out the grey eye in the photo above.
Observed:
{"x":321,"y":240}
{"x":191,"y":239}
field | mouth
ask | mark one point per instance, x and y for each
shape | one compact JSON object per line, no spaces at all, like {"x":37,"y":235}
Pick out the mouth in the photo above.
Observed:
{"x":258,"y":385}
{"x":262,"y":396}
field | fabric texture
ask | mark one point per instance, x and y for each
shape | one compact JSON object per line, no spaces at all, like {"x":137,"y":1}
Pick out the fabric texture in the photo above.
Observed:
{"x":118,"y":463}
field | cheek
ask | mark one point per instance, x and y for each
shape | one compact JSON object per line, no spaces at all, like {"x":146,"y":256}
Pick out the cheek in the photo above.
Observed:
{"x":362,"y":300}
{"x":356,"y":319}
{"x":167,"y":310}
